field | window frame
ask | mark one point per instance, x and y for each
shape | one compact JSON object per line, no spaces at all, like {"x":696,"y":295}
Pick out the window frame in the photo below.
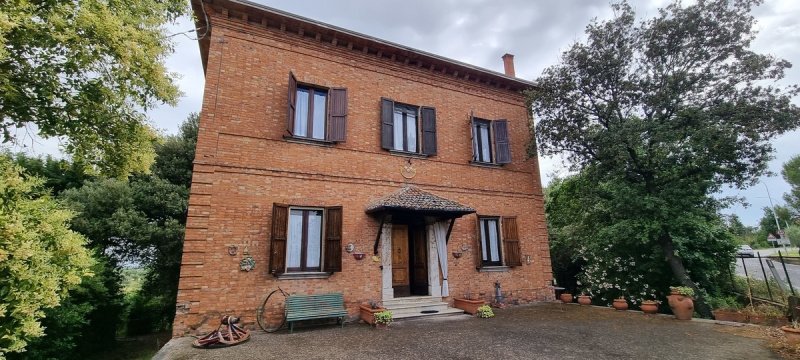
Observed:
{"x":304,"y":241}
{"x":312,"y":89}
{"x":483,"y":221}
{"x":476,"y":142}
{"x":405,"y":110}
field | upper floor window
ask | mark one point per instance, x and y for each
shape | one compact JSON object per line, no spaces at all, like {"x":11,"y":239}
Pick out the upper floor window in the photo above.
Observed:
{"x":408,"y":128}
{"x":316,"y":113}
{"x":490,"y":143}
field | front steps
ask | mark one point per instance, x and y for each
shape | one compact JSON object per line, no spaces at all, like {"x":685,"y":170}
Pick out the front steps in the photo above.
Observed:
{"x":412,"y":307}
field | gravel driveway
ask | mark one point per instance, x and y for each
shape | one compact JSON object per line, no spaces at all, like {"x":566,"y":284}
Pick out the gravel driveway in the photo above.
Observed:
{"x":541,"y":331}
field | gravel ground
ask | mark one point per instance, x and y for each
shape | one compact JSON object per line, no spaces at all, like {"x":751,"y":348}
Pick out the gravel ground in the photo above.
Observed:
{"x":542,"y":331}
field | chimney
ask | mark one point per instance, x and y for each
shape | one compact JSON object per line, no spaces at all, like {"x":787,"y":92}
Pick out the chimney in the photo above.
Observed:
{"x":508,"y":64}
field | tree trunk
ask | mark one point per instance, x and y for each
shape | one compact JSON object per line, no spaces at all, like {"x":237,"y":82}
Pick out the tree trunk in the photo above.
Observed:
{"x":676,"y":264}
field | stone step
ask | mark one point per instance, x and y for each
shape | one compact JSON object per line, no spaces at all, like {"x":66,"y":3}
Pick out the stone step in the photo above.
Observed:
{"x":412,"y":300}
{"x":412,"y":314}
{"x":440,"y":306}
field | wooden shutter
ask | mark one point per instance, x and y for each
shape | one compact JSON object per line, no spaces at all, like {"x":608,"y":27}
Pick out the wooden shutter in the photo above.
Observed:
{"x":511,"y":242}
{"x":337,"y":114}
{"x":479,"y":253}
{"x":472,"y":134}
{"x":277,"y":255}
{"x":387,"y":124}
{"x":292,"y":103}
{"x":333,"y":239}
{"x":428,"y":130}
{"x":501,"y":147}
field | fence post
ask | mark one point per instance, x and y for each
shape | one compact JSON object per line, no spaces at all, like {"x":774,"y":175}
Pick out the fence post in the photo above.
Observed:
{"x":788,"y":280}
{"x":749,"y":288}
{"x":766,"y":280}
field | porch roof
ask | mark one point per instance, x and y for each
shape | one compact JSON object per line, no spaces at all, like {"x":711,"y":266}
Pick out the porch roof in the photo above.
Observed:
{"x":413,"y":199}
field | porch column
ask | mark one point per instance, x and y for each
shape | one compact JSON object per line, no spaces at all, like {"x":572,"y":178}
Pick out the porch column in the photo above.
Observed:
{"x":387,"y":292}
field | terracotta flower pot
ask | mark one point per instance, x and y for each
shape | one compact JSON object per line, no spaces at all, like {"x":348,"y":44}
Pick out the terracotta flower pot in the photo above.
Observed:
{"x":730,"y":315}
{"x":792,"y":335}
{"x":584,"y":300}
{"x":367,"y":313}
{"x":649,"y":307}
{"x":566,"y":298}
{"x":682,"y":306}
{"x":469,"y":306}
{"x":620,"y":304}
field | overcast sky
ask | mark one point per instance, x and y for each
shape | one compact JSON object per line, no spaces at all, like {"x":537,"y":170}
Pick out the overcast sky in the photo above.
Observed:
{"x":479,"y":32}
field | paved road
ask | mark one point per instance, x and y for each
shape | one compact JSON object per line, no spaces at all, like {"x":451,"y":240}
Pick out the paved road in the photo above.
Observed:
{"x":754,"y":269}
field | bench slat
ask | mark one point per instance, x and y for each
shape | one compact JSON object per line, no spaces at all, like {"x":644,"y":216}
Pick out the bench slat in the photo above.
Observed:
{"x":315,"y":306}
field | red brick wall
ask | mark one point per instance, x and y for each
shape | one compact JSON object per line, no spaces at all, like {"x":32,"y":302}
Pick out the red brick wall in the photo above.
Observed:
{"x":243,"y":165}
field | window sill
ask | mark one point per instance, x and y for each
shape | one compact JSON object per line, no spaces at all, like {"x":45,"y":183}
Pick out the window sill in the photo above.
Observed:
{"x":494,"y":269}
{"x":408,"y":154}
{"x":485,"y":164}
{"x":309,"y":141}
{"x":303,"y":275}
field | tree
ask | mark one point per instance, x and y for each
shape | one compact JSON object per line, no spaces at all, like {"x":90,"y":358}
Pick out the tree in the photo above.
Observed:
{"x":58,"y":174}
{"x":670,"y":109}
{"x":791,"y":173}
{"x":86,"y":70}
{"x":40,"y":257}
{"x":175,"y":154}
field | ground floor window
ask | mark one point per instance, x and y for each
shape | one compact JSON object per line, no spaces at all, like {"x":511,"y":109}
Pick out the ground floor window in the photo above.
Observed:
{"x":490,"y":241}
{"x":304,"y":245}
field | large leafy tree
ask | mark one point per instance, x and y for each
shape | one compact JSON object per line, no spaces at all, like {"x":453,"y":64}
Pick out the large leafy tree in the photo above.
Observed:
{"x":791,"y":173}
{"x":670,"y":108}
{"x":86,"y":70}
{"x":40,"y":257}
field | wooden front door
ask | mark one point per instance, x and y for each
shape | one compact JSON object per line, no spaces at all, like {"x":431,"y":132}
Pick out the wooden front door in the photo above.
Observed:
{"x":419,"y":261}
{"x":400,"y":278}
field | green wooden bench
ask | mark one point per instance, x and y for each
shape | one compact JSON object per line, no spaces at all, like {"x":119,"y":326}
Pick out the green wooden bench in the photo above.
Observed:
{"x":317,"y":306}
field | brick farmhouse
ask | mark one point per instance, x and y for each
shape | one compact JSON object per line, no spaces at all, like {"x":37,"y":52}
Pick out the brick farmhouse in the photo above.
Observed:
{"x":338,"y":162}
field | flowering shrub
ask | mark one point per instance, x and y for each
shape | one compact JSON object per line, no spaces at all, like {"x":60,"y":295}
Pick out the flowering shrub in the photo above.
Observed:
{"x":485,"y":311}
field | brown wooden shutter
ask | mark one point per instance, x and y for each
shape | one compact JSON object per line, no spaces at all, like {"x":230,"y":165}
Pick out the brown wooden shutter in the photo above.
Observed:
{"x":501,"y":147}
{"x":479,"y":253}
{"x":472,"y":134}
{"x":387,"y":124}
{"x":277,"y":255}
{"x":337,"y":114}
{"x":511,"y":242}
{"x":292,"y":103}
{"x":428,"y":130}
{"x":333,"y":240}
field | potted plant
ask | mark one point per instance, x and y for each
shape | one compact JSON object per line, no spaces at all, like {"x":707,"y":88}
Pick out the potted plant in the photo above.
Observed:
{"x":383,"y":319}
{"x":584,"y":299}
{"x":620,"y":303}
{"x":681,"y":303}
{"x":468,"y":304}
{"x":649,"y":307}
{"x":792,"y":332}
{"x":727,"y":309}
{"x":566,"y":298}
{"x":485,"y":312}
{"x":367,"y":311}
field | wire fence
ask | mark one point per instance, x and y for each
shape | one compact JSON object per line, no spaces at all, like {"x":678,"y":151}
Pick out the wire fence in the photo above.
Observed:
{"x":769,"y":280}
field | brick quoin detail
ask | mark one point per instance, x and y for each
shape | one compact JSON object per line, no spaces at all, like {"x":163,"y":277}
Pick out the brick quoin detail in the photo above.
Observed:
{"x":244,"y":164}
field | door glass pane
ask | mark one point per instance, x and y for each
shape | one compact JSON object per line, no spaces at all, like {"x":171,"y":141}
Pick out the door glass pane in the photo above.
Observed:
{"x":484,"y":244}
{"x":398,"y":130}
{"x":294,"y":242}
{"x":411,"y":132}
{"x":484,"y":138}
{"x":493,"y":243}
{"x":314,"y":238}
{"x":319,"y":116}
{"x":301,"y":113}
